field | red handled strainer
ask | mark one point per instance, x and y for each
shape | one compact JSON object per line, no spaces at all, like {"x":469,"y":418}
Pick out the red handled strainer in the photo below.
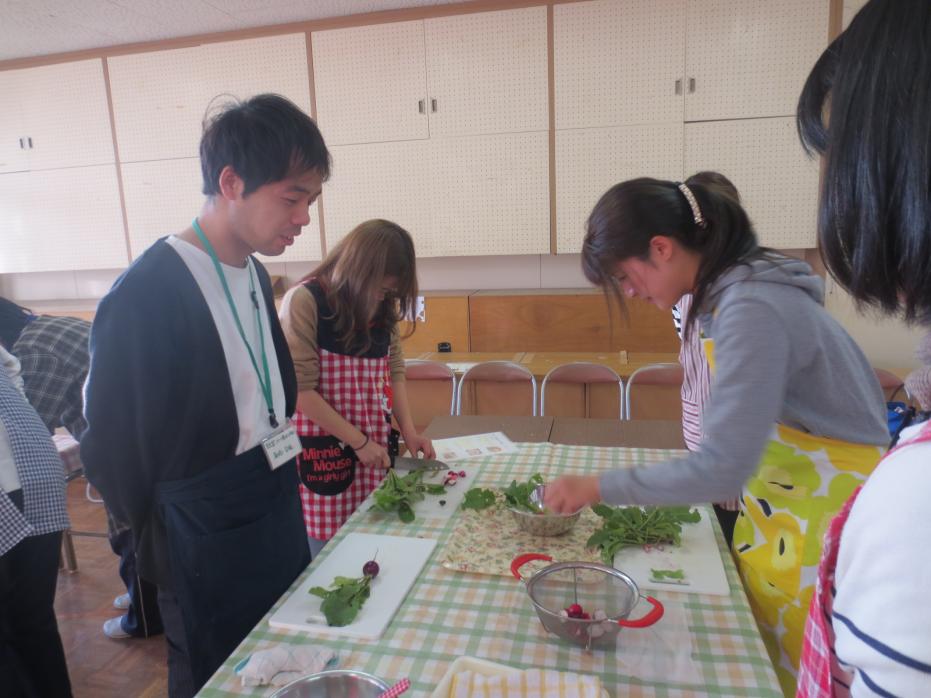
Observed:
{"x":584,"y":602}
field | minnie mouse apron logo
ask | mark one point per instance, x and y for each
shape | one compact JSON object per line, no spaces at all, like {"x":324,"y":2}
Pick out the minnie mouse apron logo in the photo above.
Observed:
{"x":327,"y":466}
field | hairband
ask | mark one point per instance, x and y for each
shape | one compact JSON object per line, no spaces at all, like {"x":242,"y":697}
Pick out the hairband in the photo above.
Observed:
{"x":693,"y":204}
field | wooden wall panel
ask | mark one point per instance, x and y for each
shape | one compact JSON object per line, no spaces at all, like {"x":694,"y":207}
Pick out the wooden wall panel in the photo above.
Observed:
{"x":447,"y":320}
{"x":656,"y":402}
{"x":428,"y":399}
{"x":553,"y":321}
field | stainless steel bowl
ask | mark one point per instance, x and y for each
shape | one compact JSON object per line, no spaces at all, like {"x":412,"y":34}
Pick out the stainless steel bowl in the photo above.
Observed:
{"x":339,"y":683}
{"x":545,"y":524}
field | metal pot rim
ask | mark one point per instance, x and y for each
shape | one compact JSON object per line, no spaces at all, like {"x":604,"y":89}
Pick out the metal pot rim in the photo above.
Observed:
{"x":333,"y":672}
{"x":560,"y":566}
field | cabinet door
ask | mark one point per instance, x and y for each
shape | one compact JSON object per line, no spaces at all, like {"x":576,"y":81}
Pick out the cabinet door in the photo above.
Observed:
{"x":778,"y":183}
{"x":378,"y":180}
{"x":489,"y":196}
{"x":750,"y":58}
{"x":369,"y":83}
{"x":67,"y":116}
{"x":590,"y":161}
{"x":163,"y":197}
{"x":14,"y":157}
{"x":160,"y":99}
{"x":487,"y":72}
{"x":617,"y":62}
{"x":61,"y":220}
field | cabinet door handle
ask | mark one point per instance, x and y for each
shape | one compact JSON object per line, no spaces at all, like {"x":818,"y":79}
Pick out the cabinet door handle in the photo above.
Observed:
{"x":22,"y":143}
{"x":30,"y":142}
{"x":421,"y":107}
{"x":679,"y":86}
{"x":433,"y":105}
{"x":691,"y":85}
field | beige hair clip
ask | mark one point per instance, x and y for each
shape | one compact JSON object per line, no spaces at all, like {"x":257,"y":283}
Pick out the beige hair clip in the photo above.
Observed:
{"x":693,"y":204}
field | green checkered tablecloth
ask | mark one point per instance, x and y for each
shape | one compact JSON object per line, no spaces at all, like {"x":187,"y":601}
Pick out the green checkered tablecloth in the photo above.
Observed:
{"x":450,"y":614}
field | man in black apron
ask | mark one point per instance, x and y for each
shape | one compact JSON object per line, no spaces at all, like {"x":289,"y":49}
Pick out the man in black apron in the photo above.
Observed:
{"x":190,"y":389}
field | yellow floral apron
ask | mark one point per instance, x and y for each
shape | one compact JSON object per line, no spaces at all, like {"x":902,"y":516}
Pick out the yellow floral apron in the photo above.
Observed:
{"x":802,"y":481}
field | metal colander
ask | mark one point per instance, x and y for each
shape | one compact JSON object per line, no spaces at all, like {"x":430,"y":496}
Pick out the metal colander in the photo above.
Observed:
{"x":606,"y":594}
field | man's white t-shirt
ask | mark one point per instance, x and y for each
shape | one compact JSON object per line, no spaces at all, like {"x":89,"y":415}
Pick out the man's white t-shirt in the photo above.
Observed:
{"x":251,"y":408}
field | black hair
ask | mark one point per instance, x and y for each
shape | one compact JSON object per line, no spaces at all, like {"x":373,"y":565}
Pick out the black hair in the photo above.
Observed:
{"x":874,"y":219}
{"x":264,"y":139}
{"x":631,"y":213}
{"x":13,"y":318}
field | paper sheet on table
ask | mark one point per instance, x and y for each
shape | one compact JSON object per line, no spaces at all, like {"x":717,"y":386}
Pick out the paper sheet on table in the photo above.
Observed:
{"x":661,"y":653}
{"x":475,"y":446}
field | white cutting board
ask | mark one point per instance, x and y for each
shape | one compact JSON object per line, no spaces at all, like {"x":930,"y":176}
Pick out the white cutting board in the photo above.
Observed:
{"x":429,"y":507}
{"x":400,"y":560}
{"x":698,"y":557}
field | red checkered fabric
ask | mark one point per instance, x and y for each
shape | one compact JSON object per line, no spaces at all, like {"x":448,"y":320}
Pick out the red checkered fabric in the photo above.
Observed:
{"x":359,"y":389}
{"x":814,"y":675}
{"x":817,"y":665}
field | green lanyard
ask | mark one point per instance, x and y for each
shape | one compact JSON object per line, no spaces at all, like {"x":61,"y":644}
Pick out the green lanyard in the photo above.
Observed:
{"x":265,"y":385}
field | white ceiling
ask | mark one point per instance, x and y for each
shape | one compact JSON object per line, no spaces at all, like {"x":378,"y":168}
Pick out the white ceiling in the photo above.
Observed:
{"x":42,"y":27}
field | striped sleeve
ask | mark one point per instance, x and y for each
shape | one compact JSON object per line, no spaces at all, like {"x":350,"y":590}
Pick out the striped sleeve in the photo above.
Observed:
{"x":881,"y":616}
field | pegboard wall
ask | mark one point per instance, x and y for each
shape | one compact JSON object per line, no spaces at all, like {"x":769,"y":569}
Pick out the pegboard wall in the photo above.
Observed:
{"x":489,"y":195}
{"x":160,"y":98}
{"x":778,"y":183}
{"x":61,"y":220}
{"x":65,"y":113}
{"x":378,"y":180}
{"x":590,"y":161}
{"x":750,"y":58}
{"x":164,"y":196}
{"x":369,"y":83}
{"x":487,"y":72}
{"x":617,"y":63}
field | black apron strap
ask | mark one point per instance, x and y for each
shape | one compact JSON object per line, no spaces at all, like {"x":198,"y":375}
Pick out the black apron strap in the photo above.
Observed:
{"x":236,"y":541}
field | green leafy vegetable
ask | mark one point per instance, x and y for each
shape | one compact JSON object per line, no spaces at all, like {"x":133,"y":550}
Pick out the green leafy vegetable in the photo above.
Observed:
{"x":631,"y":526}
{"x":479,"y":498}
{"x":518,"y":494}
{"x":342,"y":601}
{"x":660,"y":575}
{"x":400,"y":493}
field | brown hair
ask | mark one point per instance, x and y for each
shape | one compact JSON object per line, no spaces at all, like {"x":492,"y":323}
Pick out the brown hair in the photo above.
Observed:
{"x":352,"y":275}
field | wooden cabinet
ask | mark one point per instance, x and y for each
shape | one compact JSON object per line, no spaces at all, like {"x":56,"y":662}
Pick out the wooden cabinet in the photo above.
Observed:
{"x":161,"y":98}
{"x":163,"y":197}
{"x":58,"y":191}
{"x":618,"y":62}
{"x":480,"y":73}
{"x":777,"y":181}
{"x":668,"y":89}
{"x":61,"y":220}
{"x":441,"y":126}
{"x":55,"y":116}
{"x":746,"y":58}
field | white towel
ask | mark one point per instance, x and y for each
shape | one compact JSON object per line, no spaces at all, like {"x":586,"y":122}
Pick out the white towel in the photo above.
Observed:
{"x":281,"y":664}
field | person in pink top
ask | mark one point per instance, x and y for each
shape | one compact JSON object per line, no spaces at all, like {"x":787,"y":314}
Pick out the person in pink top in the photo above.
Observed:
{"x":866,"y":109}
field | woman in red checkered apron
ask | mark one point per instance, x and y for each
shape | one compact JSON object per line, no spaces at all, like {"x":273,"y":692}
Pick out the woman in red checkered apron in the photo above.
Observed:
{"x":341,"y":324}
{"x":868,"y":630}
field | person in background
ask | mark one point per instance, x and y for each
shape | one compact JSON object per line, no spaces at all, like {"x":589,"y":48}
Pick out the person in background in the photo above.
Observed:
{"x":191,"y":387}
{"x":341,"y":323}
{"x":796,"y":417}
{"x":54,"y":355}
{"x":696,"y":374}
{"x":866,"y":110}
{"x":32,"y":517}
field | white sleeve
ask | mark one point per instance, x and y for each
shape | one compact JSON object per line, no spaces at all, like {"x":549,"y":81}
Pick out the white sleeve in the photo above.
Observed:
{"x":882,"y":614}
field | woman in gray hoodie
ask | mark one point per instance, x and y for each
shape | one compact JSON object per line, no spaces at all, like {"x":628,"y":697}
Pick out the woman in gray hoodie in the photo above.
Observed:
{"x":796,"y":417}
